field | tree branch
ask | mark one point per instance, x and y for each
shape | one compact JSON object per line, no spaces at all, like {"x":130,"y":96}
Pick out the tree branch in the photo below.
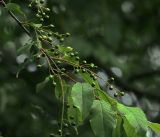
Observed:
{"x":121,"y":84}
{"x":2,"y":2}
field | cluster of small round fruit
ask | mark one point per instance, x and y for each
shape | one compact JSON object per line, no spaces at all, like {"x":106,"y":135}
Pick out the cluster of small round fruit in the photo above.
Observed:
{"x":78,"y":66}
{"x":65,"y":133}
{"x":45,"y":35}
{"x":110,"y":86}
{"x":42,"y":11}
{"x":67,"y":126}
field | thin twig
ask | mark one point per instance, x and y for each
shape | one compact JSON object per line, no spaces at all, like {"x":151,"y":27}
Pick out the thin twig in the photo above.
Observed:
{"x":62,"y":113}
{"x":16,"y":19}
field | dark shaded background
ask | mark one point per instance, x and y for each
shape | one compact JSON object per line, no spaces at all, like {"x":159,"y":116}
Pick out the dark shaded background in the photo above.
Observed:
{"x":121,"y":37}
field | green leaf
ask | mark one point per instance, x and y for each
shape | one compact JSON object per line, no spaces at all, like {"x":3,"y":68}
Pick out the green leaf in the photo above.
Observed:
{"x":154,"y":126}
{"x":73,"y":114}
{"x":41,"y":86}
{"x":24,"y":49}
{"x":36,"y":25}
{"x":135,"y":122}
{"x":119,"y":130}
{"x":88,"y":79}
{"x":103,"y":119}
{"x":58,"y":88}
{"x":130,"y":129}
{"x":14,"y":8}
{"x":70,"y":60}
{"x":64,"y":49}
{"x":33,"y":49}
{"x":82,"y":95}
{"x":46,"y":85}
{"x":107,"y":98}
{"x":23,"y":65}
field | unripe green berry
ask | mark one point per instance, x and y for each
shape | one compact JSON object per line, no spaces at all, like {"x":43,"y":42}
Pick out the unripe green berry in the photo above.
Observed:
{"x":39,"y":11}
{"x":77,"y":58}
{"x":36,"y":2}
{"x":50,"y":34}
{"x":47,"y":17}
{"x":77,"y":71}
{"x":59,"y":131}
{"x":65,"y":125}
{"x":63,"y":69}
{"x":76,"y":53}
{"x":116,"y":94}
{"x":39,"y":66}
{"x":47,"y":9}
{"x":94,"y":78}
{"x":50,"y":77}
{"x":61,"y":39}
{"x":93,"y":84}
{"x":41,"y":19}
{"x":38,"y":56}
{"x":37,"y":15}
{"x":44,"y":37}
{"x":84,"y":61}
{"x":84,"y":70}
{"x":51,"y":25}
{"x":68,"y":34}
{"x":54,"y":84}
{"x":69,"y":48}
{"x":110,"y":87}
{"x":92,"y":75}
{"x":122,"y":93}
{"x":49,"y":39}
{"x":92,"y":65}
{"x":112,"y":79}
{"x":72,"y":54}
{"x":58,"y":62}
{"x":42,"y":31}
{"x":56,"y":53}
{"x":30,"y":5}
{"x":42,"y":1}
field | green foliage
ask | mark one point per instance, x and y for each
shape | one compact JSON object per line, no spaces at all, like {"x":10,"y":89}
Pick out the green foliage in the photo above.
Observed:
{"x":82,"y":95}
{"x":135,"y":122}
{"x":122,"y":121}
{"x":14,"y":7}
{"x":24,"y":49}
{"x":41,"y":86}
{"x":80,"y":102}
{"x":103,"y":120}
{"x":155,"y":127}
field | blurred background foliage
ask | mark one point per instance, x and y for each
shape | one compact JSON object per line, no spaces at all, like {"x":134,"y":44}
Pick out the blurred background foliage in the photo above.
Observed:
{"x":120,"y":36}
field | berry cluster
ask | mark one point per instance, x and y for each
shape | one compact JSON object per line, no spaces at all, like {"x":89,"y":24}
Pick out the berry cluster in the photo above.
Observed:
{"x":110,"y":86}
{"x":41,"y":10}
{"x":59,"y":58}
